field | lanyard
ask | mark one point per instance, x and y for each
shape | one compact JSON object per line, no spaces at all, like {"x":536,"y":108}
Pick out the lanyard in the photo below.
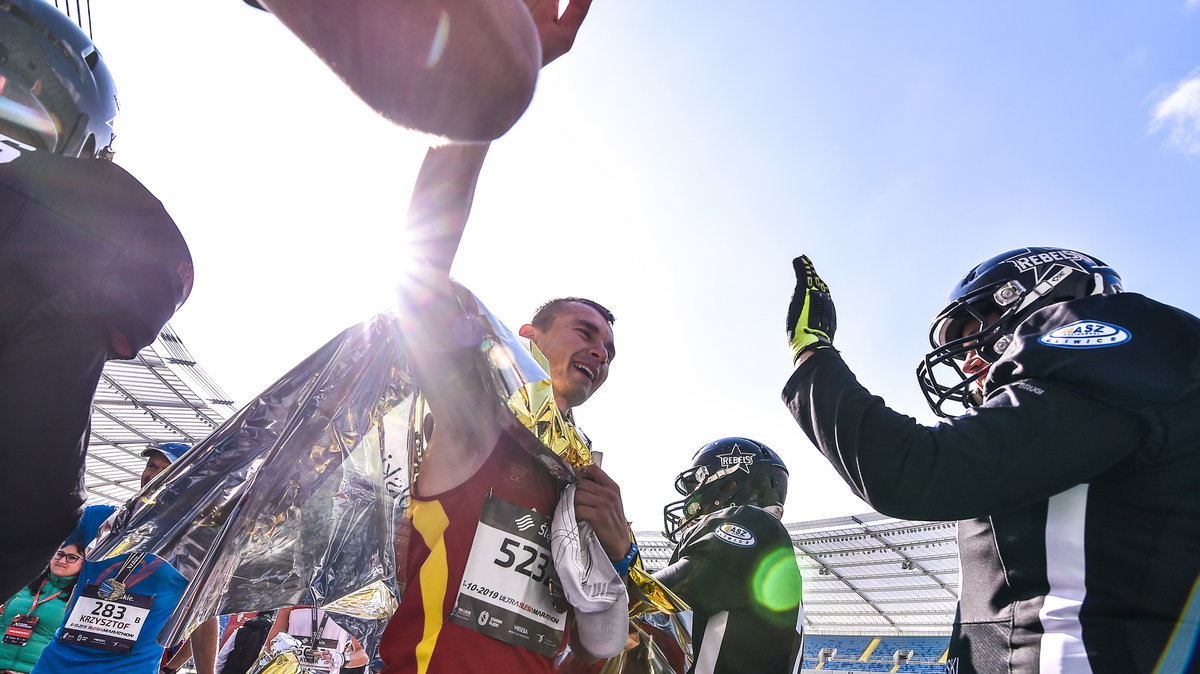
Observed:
{"x":37,"y":603}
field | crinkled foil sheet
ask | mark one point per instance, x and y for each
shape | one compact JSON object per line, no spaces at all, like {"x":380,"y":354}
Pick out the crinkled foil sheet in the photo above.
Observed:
{"x":299,"y":497}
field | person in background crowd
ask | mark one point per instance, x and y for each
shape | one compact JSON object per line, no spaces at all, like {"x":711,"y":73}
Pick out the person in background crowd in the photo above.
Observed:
{"x":1072,"y":472}
{"x":332,"y":647}
{"x":30,"y":618}
{"x":91,"y":268}
{"x":144,"y":588}
{"x":243,"y":643}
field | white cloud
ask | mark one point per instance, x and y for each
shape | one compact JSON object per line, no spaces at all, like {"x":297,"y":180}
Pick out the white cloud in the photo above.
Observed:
{"x":1192,"y":4}
{"x":1178,"y":114}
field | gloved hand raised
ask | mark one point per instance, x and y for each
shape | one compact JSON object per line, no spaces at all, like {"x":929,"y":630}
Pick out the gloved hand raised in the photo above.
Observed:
{"x":811,"y":318}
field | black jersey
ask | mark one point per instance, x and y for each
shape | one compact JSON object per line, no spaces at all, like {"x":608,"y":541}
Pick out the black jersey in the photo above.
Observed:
{"x":737,"y":570}
{"x":1076,"y":483}
{"x":83,"y":237}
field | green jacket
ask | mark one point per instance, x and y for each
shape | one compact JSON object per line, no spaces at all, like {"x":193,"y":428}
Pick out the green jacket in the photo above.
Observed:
{"x":50,"y":616}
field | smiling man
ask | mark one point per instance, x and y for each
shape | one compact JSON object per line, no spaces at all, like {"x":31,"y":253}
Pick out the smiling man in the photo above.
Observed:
{"x":481,"y":504}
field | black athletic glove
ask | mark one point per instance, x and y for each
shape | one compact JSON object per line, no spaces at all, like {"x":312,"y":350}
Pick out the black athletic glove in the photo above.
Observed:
{"x":811,"y":318}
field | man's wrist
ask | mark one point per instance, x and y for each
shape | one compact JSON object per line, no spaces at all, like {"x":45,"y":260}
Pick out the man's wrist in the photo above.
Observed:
{"x":622,"y":565}
{"x":808,"y":352}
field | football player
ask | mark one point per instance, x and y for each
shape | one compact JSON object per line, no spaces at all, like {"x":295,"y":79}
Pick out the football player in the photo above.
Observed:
{"x":91,"y":268}
{"x":734,"y":563}
{"x":1072,"y":471}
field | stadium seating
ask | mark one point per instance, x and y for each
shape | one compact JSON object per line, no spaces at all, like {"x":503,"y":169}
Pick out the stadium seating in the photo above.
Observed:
{"x":875,"y":654}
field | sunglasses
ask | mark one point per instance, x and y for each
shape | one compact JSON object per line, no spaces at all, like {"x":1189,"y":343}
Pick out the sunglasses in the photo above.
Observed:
{"x":71,"y":559}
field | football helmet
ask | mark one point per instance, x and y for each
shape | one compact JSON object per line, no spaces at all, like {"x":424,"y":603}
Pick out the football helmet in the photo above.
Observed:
{"x":53,"y":83}
{"x":724,"y":473}
{"x":988,"y":304}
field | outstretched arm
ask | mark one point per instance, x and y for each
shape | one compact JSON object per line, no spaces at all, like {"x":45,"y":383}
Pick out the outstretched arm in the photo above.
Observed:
{"x":437,"y":218}
{"x":445,"y":187}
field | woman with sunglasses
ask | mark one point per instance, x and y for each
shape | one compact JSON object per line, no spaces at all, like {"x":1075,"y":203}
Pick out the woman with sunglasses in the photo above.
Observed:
{"x":29,"y":619}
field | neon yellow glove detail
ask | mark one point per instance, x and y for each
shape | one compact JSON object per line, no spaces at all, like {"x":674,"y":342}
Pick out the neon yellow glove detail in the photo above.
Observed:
{"x":811,"y":318}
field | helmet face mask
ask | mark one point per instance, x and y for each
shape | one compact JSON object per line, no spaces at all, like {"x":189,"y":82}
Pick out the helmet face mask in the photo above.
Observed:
{"x":988,"y":305}
{"x":724,"y":473}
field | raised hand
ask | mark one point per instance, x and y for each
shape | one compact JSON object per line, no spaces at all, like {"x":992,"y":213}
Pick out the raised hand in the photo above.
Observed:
{"x":557,"y":33}
{"x":811,"y":318}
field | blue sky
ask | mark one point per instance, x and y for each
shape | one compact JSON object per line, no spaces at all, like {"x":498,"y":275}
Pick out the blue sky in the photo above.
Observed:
{"x":670,"y":167}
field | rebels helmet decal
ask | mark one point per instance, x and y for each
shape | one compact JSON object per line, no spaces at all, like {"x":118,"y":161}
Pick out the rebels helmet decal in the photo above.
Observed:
{"x":728,"y":472}
{"x":737,"y":459}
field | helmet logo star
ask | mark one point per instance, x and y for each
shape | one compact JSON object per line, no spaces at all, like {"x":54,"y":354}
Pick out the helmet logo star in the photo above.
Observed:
{"x":737,"y":459}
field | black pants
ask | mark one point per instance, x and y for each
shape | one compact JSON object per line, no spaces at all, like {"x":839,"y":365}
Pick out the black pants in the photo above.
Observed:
{"x":48,"y":375}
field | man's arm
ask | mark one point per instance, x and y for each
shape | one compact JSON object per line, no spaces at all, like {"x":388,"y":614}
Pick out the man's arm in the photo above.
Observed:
{"x":445,"y":186}
{"x":439,"y":336}
{"x":281,"y":622}
{"x":204,"y":645}
{"x":357,"y":656}
{"x":466,"y":429}
{"x":1027,"y":442}
{"x":180,"y":658}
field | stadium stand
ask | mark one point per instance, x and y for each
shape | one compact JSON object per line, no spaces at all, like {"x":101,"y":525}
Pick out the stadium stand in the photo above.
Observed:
{"x":922,"y":654}
{"x":162,"y":395}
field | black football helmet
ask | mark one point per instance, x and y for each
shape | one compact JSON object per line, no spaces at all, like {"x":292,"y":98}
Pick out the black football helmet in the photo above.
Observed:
{"x":986,"y":307}
{"x":53,"y":83}
{"x":724,"y":473}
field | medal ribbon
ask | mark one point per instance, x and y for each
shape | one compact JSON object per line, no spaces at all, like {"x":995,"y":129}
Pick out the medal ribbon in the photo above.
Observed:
{"x":130,"y":564}
{"x":123,"y":573}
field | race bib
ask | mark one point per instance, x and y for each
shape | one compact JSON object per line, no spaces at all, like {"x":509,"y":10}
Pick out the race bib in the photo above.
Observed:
{"x":505,"y":591}
{"x":106,"y":624}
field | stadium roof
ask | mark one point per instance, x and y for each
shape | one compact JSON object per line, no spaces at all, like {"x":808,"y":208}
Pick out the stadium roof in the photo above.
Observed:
{"x":865,"y":574}
{"x":159,"y":396}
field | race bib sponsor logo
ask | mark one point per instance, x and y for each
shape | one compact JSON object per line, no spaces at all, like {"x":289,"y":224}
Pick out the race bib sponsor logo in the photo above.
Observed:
{"x":735,"y":535}
{"x":1086,"y":335}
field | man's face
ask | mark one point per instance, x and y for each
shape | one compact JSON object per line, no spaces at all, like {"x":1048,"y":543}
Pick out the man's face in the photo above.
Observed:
{"x":579,"y":347}
{"x":155,"y":464}
{"x":973,"y":363}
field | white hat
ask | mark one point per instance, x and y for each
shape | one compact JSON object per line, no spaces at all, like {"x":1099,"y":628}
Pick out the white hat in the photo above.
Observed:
{"x":589,"y":581}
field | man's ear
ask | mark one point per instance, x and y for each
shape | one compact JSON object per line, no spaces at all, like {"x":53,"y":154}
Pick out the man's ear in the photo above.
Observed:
{"x":526,"y":331}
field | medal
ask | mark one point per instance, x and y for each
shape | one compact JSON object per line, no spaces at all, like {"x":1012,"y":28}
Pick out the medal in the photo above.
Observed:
{"x":112,"y":590}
